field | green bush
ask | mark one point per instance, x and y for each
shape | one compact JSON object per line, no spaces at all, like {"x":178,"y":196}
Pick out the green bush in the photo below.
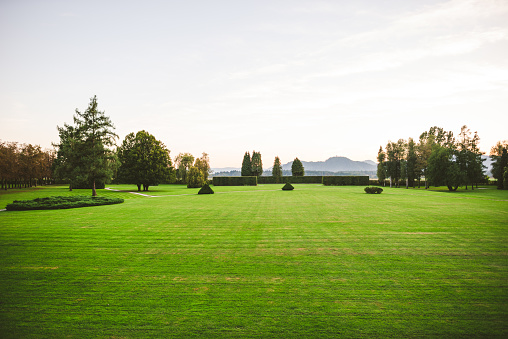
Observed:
{"x":288,"y":187}
{"x":373,"y":190}
{"x":206,"y":189}
{"x":235,"y":181}
{"x":54,"y":203}
{"x":346,"y":180}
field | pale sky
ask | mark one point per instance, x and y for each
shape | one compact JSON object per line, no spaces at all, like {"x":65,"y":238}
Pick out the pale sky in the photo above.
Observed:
{"x":308,"y":79}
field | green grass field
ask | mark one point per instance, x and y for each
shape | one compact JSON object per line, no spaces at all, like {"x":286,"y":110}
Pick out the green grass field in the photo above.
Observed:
{"x":316,"y":262}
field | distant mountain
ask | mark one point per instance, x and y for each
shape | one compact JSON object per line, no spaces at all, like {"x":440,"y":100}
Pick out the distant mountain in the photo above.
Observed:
{"x":336,"y":164}
{"x":225,"y":169}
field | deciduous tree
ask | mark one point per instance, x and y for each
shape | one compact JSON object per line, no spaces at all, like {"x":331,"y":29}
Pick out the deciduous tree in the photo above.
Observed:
{"x":195,"y":178}
{"x":183,"y":162}
{"x":203,"y":164}
{"x":499,"y":154}
{"x":144,"y":161}
{"x":381,"y":166}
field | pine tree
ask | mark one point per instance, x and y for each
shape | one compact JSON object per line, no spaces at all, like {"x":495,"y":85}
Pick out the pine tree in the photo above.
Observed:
{"x":246,"y":165}
{"x":297,"y":169}
{"x":84,"y":153}
{"x":257,"y":164}
{"x":277,"y":170}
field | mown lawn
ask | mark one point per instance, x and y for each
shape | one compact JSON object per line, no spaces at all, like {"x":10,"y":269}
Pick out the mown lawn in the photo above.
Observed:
{"x":321,"y":262}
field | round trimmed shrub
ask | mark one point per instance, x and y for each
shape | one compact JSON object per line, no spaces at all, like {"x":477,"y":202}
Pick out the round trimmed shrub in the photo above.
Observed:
{"x":206,"y":189}
{"x":288,"y":187}
{"x":373,"y":190}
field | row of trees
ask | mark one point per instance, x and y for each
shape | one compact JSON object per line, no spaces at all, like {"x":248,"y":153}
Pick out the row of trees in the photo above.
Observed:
{"x":253,"y":166}
{"x":86,"y":156}
{"x":438,"y":156}
{"x":24,"y":165}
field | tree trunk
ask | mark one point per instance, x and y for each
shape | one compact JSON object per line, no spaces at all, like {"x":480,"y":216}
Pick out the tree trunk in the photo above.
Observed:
{"x":94,"y":192}
{"x":139,"y":187}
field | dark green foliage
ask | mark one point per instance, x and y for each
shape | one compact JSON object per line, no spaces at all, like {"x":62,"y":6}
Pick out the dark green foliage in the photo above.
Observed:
{"x":442,"y":170}
{"x":81,"y":183}
{"x":235,"y":181}
{"x":288,"y":187}
{"x":505,"y":177}
{"x":373,"y":190}
{"x":206,"y":189}
{"x":500,"y":164}
{"x":346,"y":180}
{"x":55,"y":203}
{"x":246,"y":165}
{"x":297,"y":168}
{"x":317,"y":179}
{"x":144,"y":160}
{"x":277,"y":170}
{"x":257,"y":164}
{"x":84,"y":153}
{"x":195,"y":178}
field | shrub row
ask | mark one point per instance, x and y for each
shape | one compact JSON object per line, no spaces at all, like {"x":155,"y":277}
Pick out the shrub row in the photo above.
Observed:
{"x":317,"y":179}
{"x":53,"y":203}
{"x":346,"y":180}
{"x":235,"y":181}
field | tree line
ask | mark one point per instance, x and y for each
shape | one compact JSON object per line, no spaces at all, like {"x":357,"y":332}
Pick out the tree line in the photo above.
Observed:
{"x":437,"y":156}
{"x":253,"y":166}
{"x":24,"y":165}
{"x":87,"y":156}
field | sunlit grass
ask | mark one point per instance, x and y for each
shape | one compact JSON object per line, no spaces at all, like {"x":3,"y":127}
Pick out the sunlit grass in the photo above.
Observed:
{"x":258,"y":262}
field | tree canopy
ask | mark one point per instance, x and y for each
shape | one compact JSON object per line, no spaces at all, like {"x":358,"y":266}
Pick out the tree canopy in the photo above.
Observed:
{"x":144,"y":161}
{"x":438,"y":156}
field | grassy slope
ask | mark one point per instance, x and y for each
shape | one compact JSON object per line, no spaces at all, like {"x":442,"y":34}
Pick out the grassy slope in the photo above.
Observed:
{"x":257,"y":261}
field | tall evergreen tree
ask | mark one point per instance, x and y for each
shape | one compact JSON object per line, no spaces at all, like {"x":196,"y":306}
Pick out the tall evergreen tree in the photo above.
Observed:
{"x":84,"y":155}
{"x":277,"y":170}
{"x":246,"y":165}
{"x":297,"y":169}
{"x":257,"y":164}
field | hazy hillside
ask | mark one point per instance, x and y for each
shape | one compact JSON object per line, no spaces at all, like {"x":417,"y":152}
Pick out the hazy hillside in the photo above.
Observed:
{"x":335,"y":164}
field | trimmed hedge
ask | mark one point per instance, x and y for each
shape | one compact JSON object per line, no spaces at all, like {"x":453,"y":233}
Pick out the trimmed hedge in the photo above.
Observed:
{"x":55,"y":203}
{"x":373,"y":190}
{"x":206,"y":189}
{"x":311,"y":179}
{"x":235,"y":181}
{"x":346,"y":180}
{"x":288,"y":187}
